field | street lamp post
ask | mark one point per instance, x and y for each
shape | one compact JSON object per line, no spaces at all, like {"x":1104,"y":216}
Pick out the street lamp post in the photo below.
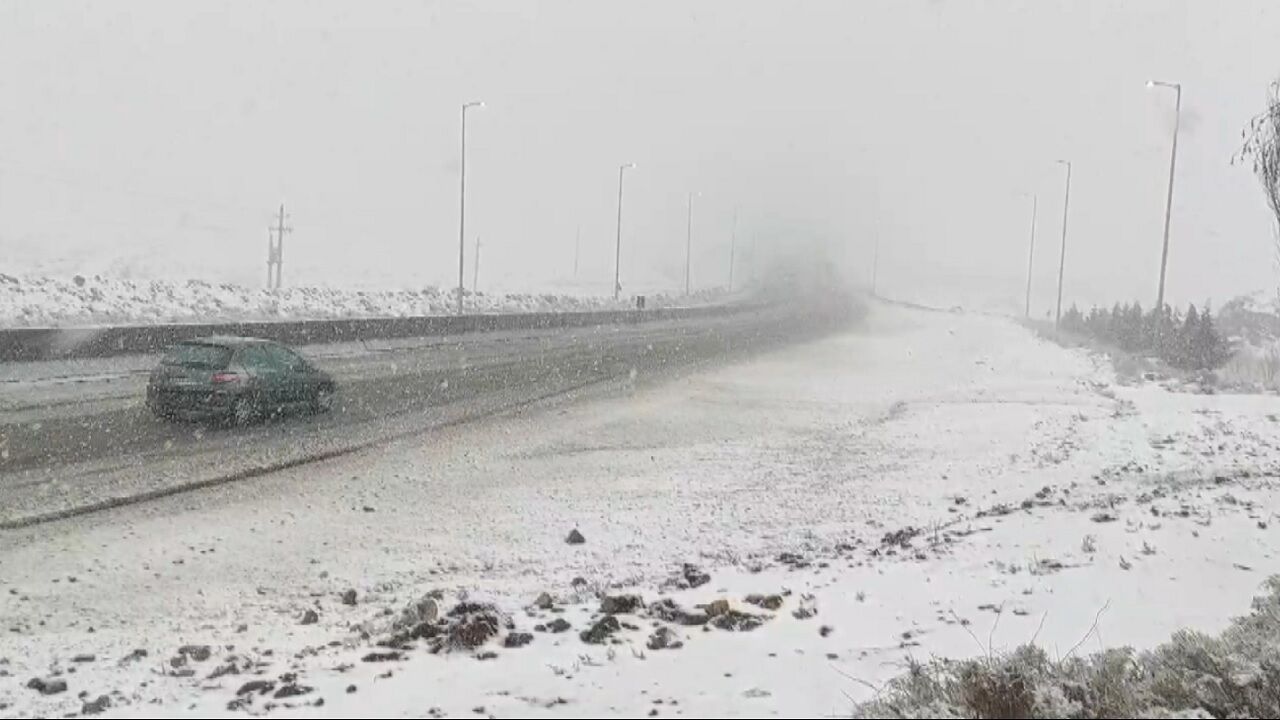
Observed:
{"x":733,"y":243}
{"x":1173,"y":163}
{"x":617,"y":249}
{"x":688,"y":247}
{"x":1031,"y":256}
{"x":462,"y":205}
{"x":875,"y":265}
{"x":875,"y":256}
{"x":1062,"y":260}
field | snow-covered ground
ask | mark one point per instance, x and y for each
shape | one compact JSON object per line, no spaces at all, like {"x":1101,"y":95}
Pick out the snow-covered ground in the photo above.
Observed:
{"x":42,"y":301}
{"x":935,"y":483}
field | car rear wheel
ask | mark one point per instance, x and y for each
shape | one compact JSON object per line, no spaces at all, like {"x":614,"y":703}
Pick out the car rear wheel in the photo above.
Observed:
{"x":323,"y":401}
{"x":243,"y":412}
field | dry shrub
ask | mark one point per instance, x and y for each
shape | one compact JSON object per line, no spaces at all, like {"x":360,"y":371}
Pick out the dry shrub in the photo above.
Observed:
{"x":1236,"y":674}
{"x":1005,"y":688}
{"x":1253,"y":367}
{"x":470,"y":625}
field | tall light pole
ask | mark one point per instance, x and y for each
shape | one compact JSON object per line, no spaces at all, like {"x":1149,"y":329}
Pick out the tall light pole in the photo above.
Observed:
{"x":688,"y":247}
{"x":1173,"y":163}
{"x":617,"y":249}
{"x":875,"y":264}
{"x":733,"y":243}
{"x":462,"y":204}
{"x":475,"y":269}
{"x":1062,"y":261}
{"x":875,"y":256}
{"x":1031,"y":256}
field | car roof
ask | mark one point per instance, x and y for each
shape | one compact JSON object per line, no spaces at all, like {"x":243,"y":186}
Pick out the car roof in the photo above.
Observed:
{"x":229,"y":341}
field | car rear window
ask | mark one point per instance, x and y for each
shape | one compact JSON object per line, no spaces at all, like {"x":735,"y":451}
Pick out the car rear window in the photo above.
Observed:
{"x":283,"y":357}
{"x":256,"y":357}
{"x":197,"y":355}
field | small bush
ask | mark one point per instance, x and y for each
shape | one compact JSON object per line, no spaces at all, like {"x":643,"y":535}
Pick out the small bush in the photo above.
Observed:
{"x":1253,"y":366}
{"x":1236,"y":674}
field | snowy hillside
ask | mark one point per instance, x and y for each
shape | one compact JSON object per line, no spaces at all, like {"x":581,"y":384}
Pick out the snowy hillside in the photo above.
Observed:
{"x":79,"y":300}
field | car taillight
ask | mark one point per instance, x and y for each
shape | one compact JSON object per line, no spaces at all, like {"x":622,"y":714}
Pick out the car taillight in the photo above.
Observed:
{"x":225,"y":377}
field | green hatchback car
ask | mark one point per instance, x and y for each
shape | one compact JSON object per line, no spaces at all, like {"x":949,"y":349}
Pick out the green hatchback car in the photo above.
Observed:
{"x":236,"y":380}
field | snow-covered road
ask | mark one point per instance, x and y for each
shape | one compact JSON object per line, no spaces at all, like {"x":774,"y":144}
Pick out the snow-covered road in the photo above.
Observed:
{"x":73,"y":448}
{"x":906,"y":481}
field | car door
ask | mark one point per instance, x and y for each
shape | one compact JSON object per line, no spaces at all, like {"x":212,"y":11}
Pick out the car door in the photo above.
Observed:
{"x":293,"y":373}
{"x":268,"y":381}
{"x":310,"y":378}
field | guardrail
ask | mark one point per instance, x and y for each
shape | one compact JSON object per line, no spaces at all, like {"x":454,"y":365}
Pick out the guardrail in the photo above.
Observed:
{"x":29,"y":344}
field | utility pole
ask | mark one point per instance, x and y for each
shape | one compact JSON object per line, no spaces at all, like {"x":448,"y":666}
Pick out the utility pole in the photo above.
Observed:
{"x":1168,"y":206}
{"x":688,"y":248}
{"x":1035,"y":202}
{"x":577,"y":249}
{"x":617,"y":248}
{"x":275,"y":249}
{"x":462,"y":204}
{"x":475,"y":269}
{"x":1062,"y":261}
{"x":733,"y":242}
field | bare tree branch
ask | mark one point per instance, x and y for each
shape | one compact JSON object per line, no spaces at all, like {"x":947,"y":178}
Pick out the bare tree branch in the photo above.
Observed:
{"x":1261,"y":149}
{"x":1092,"y":630}
{"x":1043,"y":617}
{"x":964,"y":624}
{"x":991,"y":637}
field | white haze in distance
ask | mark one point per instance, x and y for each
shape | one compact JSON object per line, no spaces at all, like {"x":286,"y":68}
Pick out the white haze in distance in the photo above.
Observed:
{"x":156,"y":138}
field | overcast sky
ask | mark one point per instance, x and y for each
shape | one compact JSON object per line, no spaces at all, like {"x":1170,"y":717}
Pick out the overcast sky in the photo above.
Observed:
{"x":157,"y":138}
